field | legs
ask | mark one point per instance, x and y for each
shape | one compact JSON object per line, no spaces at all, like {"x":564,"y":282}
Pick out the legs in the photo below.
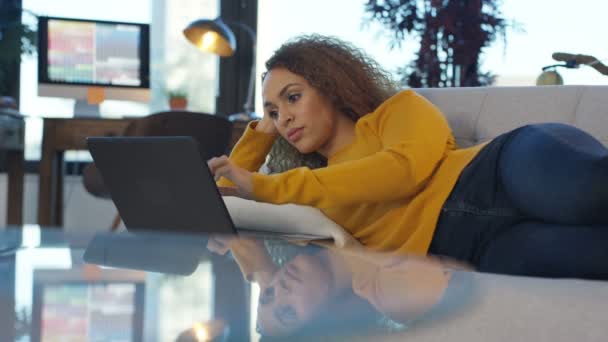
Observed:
{"x":556,"y":173}
{"x":533,"y":202}
{"x":548,"y":250}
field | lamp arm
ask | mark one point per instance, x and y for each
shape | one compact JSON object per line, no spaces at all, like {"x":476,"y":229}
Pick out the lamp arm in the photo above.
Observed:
{"x":599,"y":66}
{"x":578,"y":59}
{"x":248,"y":105}
{"x":553,"y":66}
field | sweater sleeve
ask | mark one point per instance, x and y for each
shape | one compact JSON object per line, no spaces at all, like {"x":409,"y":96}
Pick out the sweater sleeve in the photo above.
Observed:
{"x":400,"y":289}
{"x":414,"y":136}
{"x":255,"y":263}
{"x":250,"y":151}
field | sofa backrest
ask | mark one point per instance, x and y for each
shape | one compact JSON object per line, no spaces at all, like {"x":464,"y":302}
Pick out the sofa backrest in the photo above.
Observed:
{"x":480,"y":114}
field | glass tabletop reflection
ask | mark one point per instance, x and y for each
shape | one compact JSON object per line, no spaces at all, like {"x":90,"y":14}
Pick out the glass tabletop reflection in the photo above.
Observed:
{"x":59,"y":286}
{"x":159,"y":286}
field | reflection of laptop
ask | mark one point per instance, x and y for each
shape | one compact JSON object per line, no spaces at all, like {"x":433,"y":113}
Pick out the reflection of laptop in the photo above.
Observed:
{"x":164,"y":184}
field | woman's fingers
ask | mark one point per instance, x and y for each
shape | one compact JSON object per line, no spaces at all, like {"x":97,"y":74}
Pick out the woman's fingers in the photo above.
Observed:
{"x":228,"y":190}
{"x":266,"y":125}
{"x":224,"y":239}
{"x":223,"y":167}
{"x":217,"y":162}
{"x":227,"y":171}
{"x":217,"y":246}
{"x":220,"y":167}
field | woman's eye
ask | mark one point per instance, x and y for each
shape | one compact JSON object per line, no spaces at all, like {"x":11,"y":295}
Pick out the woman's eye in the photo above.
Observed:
{"x":267,"y":295}
{"x":293,"y":98}
{"x":273,"y":114}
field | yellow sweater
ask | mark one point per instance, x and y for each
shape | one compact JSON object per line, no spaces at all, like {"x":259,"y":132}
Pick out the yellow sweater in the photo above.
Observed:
{"x":386,"y":188}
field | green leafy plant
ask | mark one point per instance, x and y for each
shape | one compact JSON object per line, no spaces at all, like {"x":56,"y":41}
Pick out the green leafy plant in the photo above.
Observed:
{"x":16,"y":39}
{"x":178,"y":99}
{"x":177,"y":94}
{"x":452,"y":34}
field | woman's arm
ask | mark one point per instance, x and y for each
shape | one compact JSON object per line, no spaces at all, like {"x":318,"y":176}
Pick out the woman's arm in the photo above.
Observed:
{"x":402,"y":288}
{"x":250,"y":254}
{"x":250,"y":151}
{"x":415,"y":137}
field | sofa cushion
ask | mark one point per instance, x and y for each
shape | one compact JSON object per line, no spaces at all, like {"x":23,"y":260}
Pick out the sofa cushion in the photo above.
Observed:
{"x":592,"y":112}
{"x":461,"y":108}
{"x":480,"y":114}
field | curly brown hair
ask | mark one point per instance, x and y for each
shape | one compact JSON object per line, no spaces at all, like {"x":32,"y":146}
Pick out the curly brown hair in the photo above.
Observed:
{"x":354,"y":83}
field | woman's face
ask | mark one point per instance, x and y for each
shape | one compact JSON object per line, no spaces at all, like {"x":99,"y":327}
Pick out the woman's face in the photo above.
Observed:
{"x":302,"y":115}
{"x":297,"y":292}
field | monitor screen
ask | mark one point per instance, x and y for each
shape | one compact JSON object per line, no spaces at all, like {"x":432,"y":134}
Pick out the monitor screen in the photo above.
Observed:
{"x":72,"y":311}
{"x":77,"y":52}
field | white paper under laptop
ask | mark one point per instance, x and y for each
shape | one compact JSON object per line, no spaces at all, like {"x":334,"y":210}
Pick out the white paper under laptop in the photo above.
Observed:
{"x":290,"y":221}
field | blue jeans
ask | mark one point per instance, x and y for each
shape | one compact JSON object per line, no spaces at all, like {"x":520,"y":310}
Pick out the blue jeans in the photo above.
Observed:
{"x":533,"y":202}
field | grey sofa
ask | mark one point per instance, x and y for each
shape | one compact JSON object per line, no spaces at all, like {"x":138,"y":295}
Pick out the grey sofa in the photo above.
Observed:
{"x":506,"y":308}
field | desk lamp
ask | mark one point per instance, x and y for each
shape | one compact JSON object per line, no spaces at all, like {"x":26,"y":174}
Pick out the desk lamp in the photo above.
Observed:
{"x":216,"y":37}
{"x":550,"y":76}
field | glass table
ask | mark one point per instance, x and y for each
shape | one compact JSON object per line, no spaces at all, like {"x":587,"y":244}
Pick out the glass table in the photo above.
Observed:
{"x":151,"y":286}
{"x":49,"y":292}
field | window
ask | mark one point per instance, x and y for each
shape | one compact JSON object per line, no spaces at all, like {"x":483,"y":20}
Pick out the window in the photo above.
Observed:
{"x":548,"y":27}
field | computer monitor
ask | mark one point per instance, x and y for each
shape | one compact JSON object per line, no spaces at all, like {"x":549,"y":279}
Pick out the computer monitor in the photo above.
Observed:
{"x":93,"y":60}
{"x":66,"y":308}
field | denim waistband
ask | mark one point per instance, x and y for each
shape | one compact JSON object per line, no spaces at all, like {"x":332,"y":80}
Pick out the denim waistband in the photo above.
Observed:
{"x":479,"y":189}
{"x":477,"y":209}
{"x":455,"y":207}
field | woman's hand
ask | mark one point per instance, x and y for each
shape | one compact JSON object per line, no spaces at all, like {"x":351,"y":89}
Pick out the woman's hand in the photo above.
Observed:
{"x":219,"y":244}
{"x":266,"y":125}
{"x":243,"y":179}
{"x":229,"y":191}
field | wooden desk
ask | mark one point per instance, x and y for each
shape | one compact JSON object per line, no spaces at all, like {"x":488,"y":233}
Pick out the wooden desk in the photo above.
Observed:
{"x":62,"y":134}
{"x":12,"y":141}
{"x":14,"y":195}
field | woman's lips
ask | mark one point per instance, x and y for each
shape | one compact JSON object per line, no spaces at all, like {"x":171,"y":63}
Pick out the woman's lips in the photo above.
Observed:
{"x":294,"y":134}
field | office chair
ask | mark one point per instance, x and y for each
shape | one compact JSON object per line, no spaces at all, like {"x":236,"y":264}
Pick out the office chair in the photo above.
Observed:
{"x":212,"y":132}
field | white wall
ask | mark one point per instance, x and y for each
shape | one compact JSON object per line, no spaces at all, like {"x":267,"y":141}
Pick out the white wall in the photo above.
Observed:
{"x":83,"y":212}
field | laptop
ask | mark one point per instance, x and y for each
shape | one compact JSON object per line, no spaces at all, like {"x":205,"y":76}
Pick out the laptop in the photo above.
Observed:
{"x":163,"y":184}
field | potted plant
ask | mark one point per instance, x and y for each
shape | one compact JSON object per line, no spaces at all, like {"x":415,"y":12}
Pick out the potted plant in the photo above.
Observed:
{"x":178,"y":99}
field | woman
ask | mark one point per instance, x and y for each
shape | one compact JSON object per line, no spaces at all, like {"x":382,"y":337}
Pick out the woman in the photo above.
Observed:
{"x":532,"y":201}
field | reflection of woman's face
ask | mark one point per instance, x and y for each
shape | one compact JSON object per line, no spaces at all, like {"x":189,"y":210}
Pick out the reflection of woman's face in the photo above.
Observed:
{"x":297,"y":292}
